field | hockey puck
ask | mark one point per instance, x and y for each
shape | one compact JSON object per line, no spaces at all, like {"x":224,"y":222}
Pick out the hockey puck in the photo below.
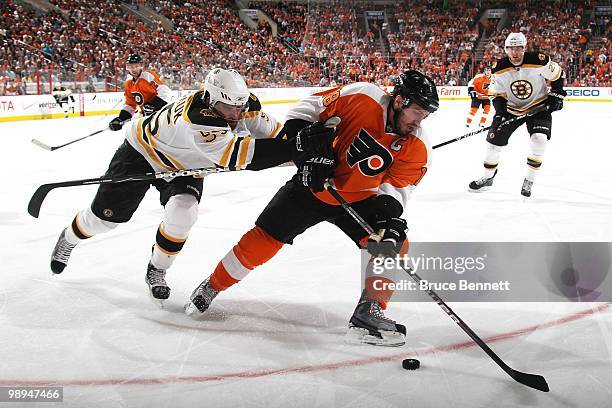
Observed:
{"x":411,"y":364}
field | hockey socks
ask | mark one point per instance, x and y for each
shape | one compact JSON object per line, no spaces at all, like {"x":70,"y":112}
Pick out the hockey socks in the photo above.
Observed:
{"x":255,"y":248}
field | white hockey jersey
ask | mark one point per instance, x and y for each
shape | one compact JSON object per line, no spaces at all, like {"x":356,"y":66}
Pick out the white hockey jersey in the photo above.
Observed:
{"x":186,"y":134}
{"x":524,"y":86}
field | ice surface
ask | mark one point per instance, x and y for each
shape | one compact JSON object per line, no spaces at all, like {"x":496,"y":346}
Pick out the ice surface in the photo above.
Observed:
{"x":275,"y":340}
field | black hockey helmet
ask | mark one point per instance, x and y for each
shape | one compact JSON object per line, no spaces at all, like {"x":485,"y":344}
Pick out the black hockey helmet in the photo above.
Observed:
{"x":134,"y":59}
{"x":417,"y":87}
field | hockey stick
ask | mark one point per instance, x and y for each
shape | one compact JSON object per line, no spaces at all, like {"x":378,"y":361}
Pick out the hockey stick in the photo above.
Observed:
{"x":531,"y":380}
{"x":52,"y":148}
{"x":41,"y":192}
{"x":505,"y":123}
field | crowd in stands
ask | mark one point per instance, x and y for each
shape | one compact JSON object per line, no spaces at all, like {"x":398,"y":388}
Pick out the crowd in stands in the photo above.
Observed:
{"x":316,"y":44}
{"x":440,"y":40}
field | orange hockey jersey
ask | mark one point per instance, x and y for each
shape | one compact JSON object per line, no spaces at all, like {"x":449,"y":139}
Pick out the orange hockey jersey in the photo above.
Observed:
{"x":480,"y":83}
{"x":144,"y":90}
{"x":370,"y":160}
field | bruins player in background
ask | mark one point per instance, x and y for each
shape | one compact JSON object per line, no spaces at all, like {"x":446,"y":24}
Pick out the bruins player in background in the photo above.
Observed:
{"x":478,"y":88}
{"x":375,"y":160}
{"x":219,"y":126}
{"x":519,"y":87}
{"x":144,"y":90}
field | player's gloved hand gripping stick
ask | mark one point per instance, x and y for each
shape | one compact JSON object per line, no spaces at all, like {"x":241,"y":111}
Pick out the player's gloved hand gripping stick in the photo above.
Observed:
{"x":531,"y":380}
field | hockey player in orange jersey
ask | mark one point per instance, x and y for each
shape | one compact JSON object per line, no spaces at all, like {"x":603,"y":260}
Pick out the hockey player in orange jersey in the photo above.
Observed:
{"x":375,"y":157}
{"x":478,"y":88}
{"x":143,"y":90}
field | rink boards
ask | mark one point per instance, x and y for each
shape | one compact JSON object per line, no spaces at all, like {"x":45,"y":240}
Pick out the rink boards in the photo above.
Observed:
{"x":35,"y":107}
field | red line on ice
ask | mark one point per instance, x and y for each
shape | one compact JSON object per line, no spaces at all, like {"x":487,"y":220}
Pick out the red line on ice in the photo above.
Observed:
{"x":306,"y":369}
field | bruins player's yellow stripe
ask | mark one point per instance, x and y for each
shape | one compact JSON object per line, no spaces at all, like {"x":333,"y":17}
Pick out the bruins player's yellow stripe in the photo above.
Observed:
{"x":250,"y":114}
{"x":78,"y":231}
{"x":277,"y":129}
{"x":164,"y":157}
{"x":161,"y":158}
{"x":533,"y":65}
{"x":558,"y":75}
{"x":501,"y":71}
{"x":226,"y":153}
{"x":169,"y":237}
{"x":165,"y":251}
{"x":494,"y":94}
{"x":144,"y":143}
{"x":244,"y":149}
{"x":526,"y":107}
{"x":187,"y":106}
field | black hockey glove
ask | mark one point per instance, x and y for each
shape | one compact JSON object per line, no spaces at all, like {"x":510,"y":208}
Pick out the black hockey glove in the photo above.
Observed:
{"x":501,"y":113}
{"x":472,"y":93}
{"x":315,"y":141}
{"x":314,"y":154}
{"x":115,"y":124}
{"x":316,"y":171}
{"x":497,"y":121}
{"x":555,"y":100}
{"x":392,"y":233}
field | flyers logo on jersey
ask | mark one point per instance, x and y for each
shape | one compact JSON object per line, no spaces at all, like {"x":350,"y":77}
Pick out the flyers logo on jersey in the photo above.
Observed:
{"x":371,"y":157}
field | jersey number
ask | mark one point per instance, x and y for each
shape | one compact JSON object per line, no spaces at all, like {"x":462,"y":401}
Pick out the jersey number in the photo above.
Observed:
{"x":371,"y":157}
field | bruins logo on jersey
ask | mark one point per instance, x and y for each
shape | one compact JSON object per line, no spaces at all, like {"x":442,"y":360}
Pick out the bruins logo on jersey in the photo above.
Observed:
{"x":521,"y":89}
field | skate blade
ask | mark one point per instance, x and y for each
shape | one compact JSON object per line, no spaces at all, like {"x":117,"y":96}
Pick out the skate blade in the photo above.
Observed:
{"x":191,"y":310}
{"x":157,"y":302}
{"x":480,"y":190}
{"x":358,"y":335}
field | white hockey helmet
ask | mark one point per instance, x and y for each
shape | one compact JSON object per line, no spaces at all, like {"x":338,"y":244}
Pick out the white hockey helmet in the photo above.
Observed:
{"x":227,"y":86}
{"x":515,"y":40}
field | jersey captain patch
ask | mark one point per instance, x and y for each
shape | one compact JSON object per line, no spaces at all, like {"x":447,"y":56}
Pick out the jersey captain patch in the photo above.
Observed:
{"x":371,"y":157}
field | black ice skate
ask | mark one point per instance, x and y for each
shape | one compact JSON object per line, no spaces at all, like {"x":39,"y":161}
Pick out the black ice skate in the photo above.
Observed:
{"x":61,"y":253}
{"x":482,"y":184}
{"x":526,"y":190}
{"x":369,"y":325}
{"x":201,"y":298}
{"x":158,"y":288}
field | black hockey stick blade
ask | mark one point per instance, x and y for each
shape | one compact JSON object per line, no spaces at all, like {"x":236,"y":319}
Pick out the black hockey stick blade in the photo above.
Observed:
{"x":41,"y":192}
{"x":530,"y":380}
{"x":37,"y":199}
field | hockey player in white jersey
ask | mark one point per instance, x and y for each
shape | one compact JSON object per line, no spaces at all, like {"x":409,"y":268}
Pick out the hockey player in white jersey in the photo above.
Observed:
{"x":219,"y":126}
{"x":519,"y":87}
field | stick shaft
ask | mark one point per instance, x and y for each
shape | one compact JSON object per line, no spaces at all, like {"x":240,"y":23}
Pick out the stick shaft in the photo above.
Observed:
{"x":530,"y":380}
{"x":505,"y":123}
{"x":41,"y":192}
